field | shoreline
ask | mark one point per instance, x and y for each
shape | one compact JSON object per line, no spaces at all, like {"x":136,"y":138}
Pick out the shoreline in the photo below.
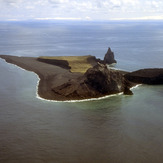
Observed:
{"x":51,"y":76}
{"x":45,"y":73}
{"x":59,"y":84}
{"x":84,"y":100}
{"x":66,"y":101}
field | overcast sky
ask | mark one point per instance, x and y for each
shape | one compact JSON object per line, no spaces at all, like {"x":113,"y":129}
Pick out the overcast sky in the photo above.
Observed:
{"x":81,"y":9}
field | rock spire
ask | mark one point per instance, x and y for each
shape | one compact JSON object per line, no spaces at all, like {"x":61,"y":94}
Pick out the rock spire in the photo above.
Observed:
{"x":109,"y":57}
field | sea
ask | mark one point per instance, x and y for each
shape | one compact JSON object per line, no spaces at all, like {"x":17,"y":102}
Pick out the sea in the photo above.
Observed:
{"x":116,"y":129}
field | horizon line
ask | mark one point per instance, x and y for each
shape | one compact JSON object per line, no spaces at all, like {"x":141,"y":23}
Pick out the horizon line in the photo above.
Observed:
{"x":150,"y":18}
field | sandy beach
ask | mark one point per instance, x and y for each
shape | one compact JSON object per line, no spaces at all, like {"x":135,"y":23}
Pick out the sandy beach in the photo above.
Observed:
{"x":50,"y":75}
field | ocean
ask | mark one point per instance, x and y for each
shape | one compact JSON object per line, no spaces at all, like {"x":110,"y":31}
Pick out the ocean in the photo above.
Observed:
{"x":117,"y":129}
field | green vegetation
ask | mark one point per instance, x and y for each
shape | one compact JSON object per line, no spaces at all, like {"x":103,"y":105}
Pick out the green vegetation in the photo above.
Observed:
{"x":77,"y":63}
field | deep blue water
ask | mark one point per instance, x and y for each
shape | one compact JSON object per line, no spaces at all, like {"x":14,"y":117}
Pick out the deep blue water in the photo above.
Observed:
{"x":136,"y":45}
{"x":120,"y":129}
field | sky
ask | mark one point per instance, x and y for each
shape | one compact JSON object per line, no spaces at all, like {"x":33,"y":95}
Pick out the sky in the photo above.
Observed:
{"x":81,"y":9}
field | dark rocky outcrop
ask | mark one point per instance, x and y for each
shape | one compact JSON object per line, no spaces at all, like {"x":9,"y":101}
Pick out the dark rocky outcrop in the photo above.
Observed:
{"x":96,"y":82}
{"x":57,"y":82}
{"x":146,"y":76}
{"x":127,"y":91}
{"x":104,"y":80}
{"x":109,"y":57}
{"x":127,"y":85}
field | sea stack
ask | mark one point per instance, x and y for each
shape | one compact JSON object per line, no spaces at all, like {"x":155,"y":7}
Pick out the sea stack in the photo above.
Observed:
{"x":109,"y":57}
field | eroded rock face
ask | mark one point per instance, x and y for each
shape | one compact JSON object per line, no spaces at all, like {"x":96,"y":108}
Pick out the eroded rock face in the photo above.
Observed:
{"x":96,"y":82}
{"x":109,"y":57}
{"x":104,"y":80}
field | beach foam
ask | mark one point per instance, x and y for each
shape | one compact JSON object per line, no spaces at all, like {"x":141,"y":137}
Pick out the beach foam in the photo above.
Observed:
{"x":70,"y":101}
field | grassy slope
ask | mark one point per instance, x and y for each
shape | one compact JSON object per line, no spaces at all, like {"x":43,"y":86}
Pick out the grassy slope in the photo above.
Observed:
{"x":77,"y":63}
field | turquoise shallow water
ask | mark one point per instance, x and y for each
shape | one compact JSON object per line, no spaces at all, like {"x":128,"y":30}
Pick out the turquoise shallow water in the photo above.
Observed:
{"x":120,"y":129}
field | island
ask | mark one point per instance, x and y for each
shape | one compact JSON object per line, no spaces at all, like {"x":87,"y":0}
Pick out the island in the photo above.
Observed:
{"x":65,"y":78}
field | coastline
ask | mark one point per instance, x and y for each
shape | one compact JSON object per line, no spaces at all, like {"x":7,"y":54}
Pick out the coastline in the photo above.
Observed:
{"x":50,"y":76}
{"x":66,"y":101}
{"x":84,"y":100}
{"x":72,"y":101}
{"x":58,"y":84}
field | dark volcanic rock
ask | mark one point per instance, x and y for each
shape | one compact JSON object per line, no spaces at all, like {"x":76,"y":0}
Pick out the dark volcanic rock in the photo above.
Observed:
{"x":58,"y":83}
{"x":127,"y":86}
{"x":109,"y":57}
{"x":146,"y":76}
{"x":104,"y":80}
{"x":56,"y":62}
{"x":127,"y":91}
{"x":96,"y":82}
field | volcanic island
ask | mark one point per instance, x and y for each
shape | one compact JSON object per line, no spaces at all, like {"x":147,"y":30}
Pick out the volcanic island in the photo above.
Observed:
{"x":64,"y":78}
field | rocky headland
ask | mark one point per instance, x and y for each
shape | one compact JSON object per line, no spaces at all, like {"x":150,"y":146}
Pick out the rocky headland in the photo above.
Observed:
{"x":96,"y":82}
{"x":146,"y":76}
{"x":82,"y":77}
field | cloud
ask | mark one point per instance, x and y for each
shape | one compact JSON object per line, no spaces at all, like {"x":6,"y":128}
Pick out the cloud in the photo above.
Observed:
{"x":59,"y":18}
{"x":92,"y":9}
{"x":58,"y":3}
{"x":10,"y":2}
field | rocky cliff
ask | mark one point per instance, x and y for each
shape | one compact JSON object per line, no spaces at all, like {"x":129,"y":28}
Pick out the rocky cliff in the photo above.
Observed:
{"x":109,"y":57}
{"x":96,"y":82}
{"x":146,"y":76}
{"x":57,"y":82}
